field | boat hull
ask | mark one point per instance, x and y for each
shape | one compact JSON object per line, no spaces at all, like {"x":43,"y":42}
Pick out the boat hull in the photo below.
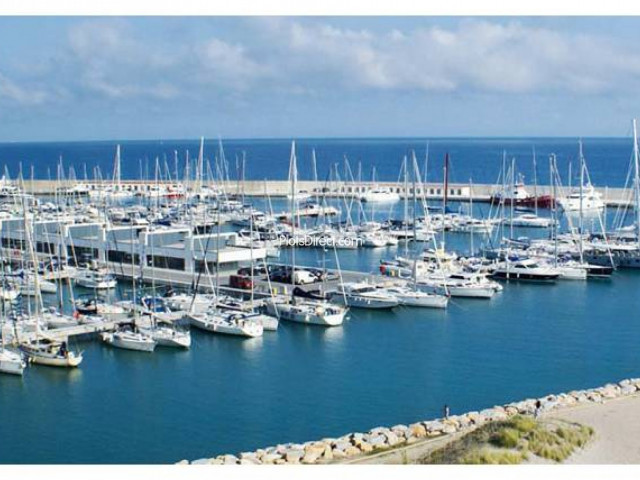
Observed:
{"x":202,"y":323}
{"x":125,"y":344}
{"x":293,"y":313}
{"x":11,"y":363}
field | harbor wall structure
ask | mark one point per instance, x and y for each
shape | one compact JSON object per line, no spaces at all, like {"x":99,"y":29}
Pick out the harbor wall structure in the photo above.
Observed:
{"x":170,"y":256}
{"x":362,"y":447}
{"x":282,"y":188}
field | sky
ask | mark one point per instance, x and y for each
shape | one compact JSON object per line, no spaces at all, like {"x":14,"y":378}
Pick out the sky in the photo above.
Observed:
{"x":83,"y":78}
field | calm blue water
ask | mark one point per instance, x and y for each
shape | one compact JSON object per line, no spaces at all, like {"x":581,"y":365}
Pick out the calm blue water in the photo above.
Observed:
{"x":475,"y":158}
{"x":304,"y":383}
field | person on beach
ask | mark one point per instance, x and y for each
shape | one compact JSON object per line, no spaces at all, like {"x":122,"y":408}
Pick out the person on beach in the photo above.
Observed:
{"x":538,"y":408}
{"x":446,"y":411}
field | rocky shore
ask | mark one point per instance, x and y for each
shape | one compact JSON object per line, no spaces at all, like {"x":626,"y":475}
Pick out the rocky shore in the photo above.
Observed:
{"x":380,"y":439}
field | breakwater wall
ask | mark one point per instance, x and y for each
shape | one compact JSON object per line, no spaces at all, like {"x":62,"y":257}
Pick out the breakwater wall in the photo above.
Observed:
{"x":350,"y":447}
{"x":282,"y":188}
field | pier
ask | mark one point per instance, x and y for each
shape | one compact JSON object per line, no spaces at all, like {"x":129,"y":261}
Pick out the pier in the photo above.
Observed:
{"x":281,"y":188}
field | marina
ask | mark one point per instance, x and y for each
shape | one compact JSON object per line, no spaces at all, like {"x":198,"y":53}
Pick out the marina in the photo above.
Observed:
{"x":290,"y":289}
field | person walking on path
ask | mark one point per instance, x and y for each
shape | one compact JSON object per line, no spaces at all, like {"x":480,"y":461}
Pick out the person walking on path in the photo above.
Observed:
{"x":538,"y":408}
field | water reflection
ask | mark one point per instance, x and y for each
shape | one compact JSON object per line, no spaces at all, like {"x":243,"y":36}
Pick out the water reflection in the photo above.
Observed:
{"x":57,"y":375}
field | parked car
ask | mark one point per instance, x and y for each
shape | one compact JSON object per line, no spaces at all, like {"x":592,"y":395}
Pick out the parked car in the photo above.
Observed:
{"x":282,"y":274}
{"x":240,"y":281}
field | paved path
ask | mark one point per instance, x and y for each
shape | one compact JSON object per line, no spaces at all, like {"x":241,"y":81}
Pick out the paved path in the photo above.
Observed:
{"x":617,"y":431}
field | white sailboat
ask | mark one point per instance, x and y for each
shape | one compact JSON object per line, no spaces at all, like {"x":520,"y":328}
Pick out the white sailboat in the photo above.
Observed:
{"x":42,"y":350}
{"x":10,"y":362}
{"x":412,"y":297}
{"x":303,"y":310}
{"x":228,"y":323}
{"x":130,"y":340}
{"x":363,"y":295}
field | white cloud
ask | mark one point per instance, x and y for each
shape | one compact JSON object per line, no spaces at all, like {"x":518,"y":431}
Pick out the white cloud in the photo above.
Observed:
{"x":110,"y":59}
{"x":487,"y":56}
{"x":12,"y":91}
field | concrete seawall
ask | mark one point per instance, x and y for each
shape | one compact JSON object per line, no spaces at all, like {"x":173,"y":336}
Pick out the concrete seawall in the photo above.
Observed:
{"x":281,"y":188}
{"x":364,"y":447}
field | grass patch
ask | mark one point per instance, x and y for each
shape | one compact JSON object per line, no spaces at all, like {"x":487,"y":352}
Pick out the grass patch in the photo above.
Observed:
{"x":487,"y":456}
{"x":512,"y":441}
{"x":506,"y":438}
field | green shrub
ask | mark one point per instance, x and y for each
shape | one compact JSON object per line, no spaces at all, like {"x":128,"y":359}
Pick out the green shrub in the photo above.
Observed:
{"x":506,"y":438}
{"x":523,"y":424}
{"x":492,"y":457}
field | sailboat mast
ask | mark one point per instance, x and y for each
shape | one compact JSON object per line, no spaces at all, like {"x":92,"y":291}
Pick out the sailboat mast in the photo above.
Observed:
{"x":116,"y":168}
{"x":446,"y":181}
{"x":637,"y":181}
{"x":552,"y":169}
{"x":535,"y":182}
{"x":513,"y":200}
{"x":292,"y":176}
{"x":581,"y":198}
{"x":406,"y":206}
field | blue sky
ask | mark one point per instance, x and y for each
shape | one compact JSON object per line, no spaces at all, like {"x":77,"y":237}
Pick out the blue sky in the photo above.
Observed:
{"x":75,"y":78}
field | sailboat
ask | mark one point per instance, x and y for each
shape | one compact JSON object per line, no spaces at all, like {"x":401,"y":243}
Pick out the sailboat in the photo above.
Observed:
{"x":10,"y":362}
{"x":114,"y":190}
{"x":296,"y":309}
{"x":160,"y":328}
{"x":128,"y":337}
{"x":43,"y":350}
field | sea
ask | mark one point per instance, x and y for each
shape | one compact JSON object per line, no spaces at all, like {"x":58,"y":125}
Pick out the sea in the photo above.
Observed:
{"x":477,"y":160}
{"x":228,"y":395}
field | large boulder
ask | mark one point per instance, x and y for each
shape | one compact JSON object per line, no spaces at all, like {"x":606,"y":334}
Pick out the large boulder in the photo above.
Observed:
{"x":417,"y":430}
{"x":378,"y":442}
{"x":270,"y":458}
{"x":365,"y":447}
{"x":230,"y":459}
{"x":294,"y":456}
{"x":393,"y":439}
{"x":351,"y":451}
{"x":434,"y":426}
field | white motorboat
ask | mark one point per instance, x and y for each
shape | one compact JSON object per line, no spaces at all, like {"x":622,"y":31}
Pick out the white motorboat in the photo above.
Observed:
{"x":130,"y":340}
{"x":11,"y":362}
{"x":227,"y":322}
{"x":412,"y":297}
{"x":45,"y":351}
{"x":530,"y":220}
{"x":585,"y":199}
{"x":380,"y":195}
{"x":571,"y":272}
{"x":95,"y":278}
{"x":363,"y":295}
{"x":184,"y":302}
{"x":376,"y":239}
{"x":459,"y":284}
{"x":525,"y":270}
